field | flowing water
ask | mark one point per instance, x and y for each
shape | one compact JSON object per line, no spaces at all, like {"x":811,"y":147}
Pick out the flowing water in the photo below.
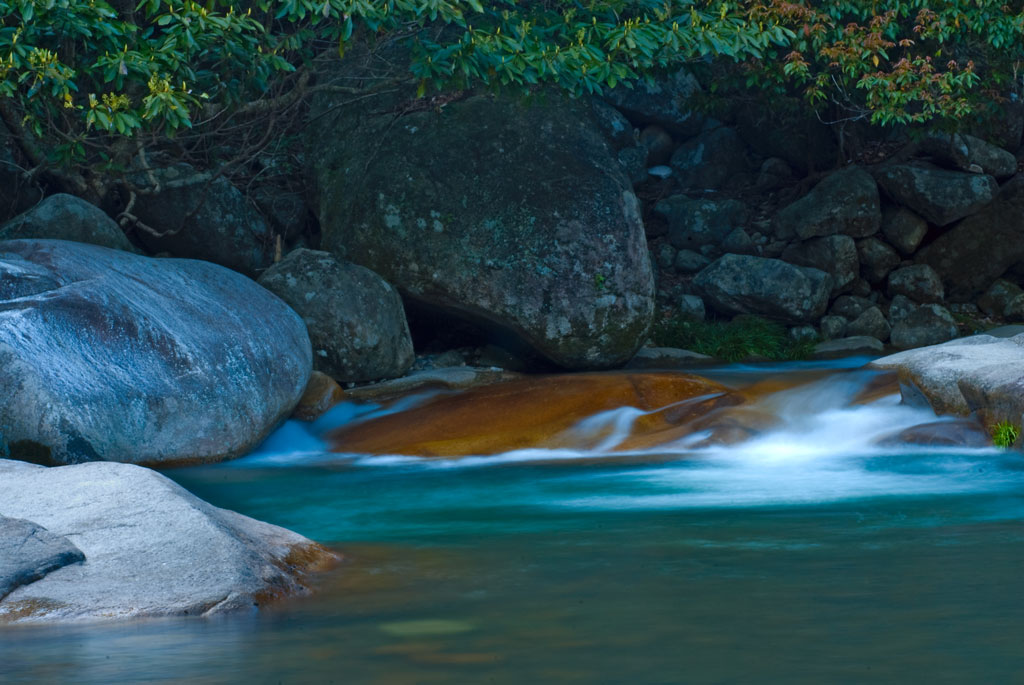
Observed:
{"x":814,"y":552}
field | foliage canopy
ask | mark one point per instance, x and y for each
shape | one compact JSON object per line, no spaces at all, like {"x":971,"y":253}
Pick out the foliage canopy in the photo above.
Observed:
{"x":80,"y":76}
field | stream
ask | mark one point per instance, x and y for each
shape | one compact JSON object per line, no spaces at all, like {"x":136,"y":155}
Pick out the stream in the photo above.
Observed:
{"x":815,"y":551}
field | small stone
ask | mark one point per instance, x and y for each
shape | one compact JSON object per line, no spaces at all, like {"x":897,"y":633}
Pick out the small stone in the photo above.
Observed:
{"x":665,"y":256}
{"x":692,"y":306}
{"x":833,"y":327}
{"x":851,"y":306}
{"x":900,"y":309}
{"x":926,"y":324}
{"x":322,"y":393}
{"x":846,"y":347}
{"x":661,"y":171}
{"x":658,"y":144}
{"x":1015,"y":309}
{"x":690,"y":262}
{"x":668,"y":358}
{"x":803,"y":333}
{"x":918,"y":282}
{"x":903,"y":229}
{"x":738,"y":242}
{"x":876,"y":259}
{"x":998,"y":296}
{"x":870,"y":323}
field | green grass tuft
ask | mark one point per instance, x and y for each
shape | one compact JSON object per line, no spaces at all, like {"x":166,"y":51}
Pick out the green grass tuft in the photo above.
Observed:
{"x":1005,"y":434}
{"x":733,"y":341}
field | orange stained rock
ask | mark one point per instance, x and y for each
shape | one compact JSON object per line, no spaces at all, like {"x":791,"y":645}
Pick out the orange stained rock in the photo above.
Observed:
{"x":533,"y":412}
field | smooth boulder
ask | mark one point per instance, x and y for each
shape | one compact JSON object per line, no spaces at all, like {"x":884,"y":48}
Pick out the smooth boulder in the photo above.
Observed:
{"x":66,"y":217}
{"x":510,"y":212}
{"x":106,"y":355}
{"x":150,"y":547}
{"x":742,"y":284}
{"x":981,"y":375}
{"x":355,"y":319}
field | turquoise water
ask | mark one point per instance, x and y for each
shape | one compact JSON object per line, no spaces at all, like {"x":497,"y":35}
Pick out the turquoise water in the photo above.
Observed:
{"x":809,"y":555}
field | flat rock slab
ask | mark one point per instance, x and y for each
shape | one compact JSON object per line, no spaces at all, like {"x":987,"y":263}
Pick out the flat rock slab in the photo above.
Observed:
{"x":106,"y":355}
{"x":151,"y":548}
{"x":28,"y":552}
{"x":981,"y":375}
{"x":577,"y":410}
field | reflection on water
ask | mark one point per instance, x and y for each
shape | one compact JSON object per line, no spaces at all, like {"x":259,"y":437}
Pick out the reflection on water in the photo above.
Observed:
{"x":809,"y":554}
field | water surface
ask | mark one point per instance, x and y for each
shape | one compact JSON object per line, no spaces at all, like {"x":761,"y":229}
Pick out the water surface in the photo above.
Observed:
{"x":808,"y":554}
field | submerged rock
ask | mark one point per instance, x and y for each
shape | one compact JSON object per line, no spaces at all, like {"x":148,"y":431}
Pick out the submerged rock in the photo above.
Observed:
{"x":536,"y":412}
{"x":151,"y":548}
{"x":981,"y":375}
{"x":106,"y":355}
{"x":322,"y":393}
{"x":946,"y":433}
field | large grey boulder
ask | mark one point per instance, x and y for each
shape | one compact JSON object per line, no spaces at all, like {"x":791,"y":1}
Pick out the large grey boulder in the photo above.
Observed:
{"x":201,"y":216}
{"x":151,"y":548}
{"x":979,"y":249}
{"x":28,"y":552}
{"x":693,"y":224}
{"x":981,"y":375}
{"x":355,"y":320}
{"x":66,"y":217}
{"x":939,"y":195}
{"x":507,"y":211}
{"x":742,"y":284}
{"x":106,"y":355}
{"x":833,"y":254}
{"x":845,"y":201}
